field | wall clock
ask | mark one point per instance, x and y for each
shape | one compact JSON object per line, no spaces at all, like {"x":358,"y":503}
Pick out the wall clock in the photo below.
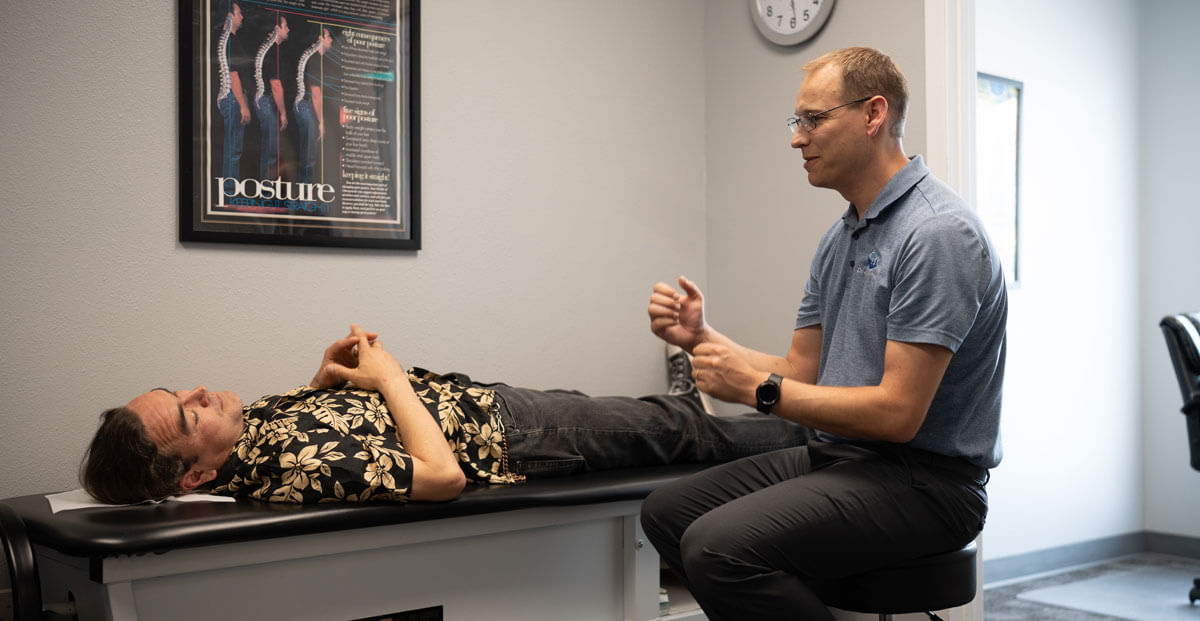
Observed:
{"x":790,"y":22}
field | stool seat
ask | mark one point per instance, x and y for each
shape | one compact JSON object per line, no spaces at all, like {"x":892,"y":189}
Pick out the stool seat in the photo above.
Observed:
{"x":920,"y":585}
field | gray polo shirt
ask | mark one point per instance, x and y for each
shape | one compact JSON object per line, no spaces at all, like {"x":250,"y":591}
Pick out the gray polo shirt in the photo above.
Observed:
{"x":918,"y":268}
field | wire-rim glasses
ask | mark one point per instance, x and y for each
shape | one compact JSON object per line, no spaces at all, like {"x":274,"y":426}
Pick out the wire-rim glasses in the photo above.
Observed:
{"x":808,"y":122}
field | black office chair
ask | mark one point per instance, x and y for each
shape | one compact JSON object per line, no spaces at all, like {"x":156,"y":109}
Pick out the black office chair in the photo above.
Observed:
{"x":1182,"y":332}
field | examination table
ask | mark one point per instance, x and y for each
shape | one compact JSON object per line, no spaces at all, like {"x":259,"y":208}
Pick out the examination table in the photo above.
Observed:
{"x":563,"y":548}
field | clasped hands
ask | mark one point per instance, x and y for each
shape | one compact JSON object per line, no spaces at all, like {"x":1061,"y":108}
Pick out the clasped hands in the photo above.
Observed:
{"x":720,"y":367}
{"x":360,"y":358}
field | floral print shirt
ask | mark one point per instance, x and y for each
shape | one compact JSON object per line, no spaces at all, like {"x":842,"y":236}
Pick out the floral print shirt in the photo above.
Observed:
{"x":340,"y":445}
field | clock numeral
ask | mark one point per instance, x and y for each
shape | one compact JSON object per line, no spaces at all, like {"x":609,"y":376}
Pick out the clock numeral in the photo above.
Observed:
{"x":785,"y":22}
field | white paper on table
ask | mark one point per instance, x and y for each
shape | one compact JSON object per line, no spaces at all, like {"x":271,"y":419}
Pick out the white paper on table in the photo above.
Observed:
{"x":80,"y":499}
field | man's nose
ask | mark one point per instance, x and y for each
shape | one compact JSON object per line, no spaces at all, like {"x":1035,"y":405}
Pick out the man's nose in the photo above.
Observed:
{"x":200,"y":395}
{"x":799,"y":138}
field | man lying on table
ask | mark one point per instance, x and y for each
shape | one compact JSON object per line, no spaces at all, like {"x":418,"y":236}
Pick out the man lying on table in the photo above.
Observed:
{"x":365,"y":429}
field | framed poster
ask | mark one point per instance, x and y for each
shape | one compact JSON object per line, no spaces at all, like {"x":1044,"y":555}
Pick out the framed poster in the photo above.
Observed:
{"x":298,"y":122}
{"x":998,"y":141}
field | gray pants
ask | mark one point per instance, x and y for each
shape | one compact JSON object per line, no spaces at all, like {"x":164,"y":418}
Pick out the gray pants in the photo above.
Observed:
{"x":745,"y":536}
{"x":559,"y":432}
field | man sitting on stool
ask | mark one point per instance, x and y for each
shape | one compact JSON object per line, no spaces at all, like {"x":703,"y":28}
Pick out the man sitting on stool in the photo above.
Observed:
{"x":896,"y":360}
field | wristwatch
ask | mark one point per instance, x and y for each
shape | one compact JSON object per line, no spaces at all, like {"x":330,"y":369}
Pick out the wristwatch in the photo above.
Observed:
{"x":767,"y":393}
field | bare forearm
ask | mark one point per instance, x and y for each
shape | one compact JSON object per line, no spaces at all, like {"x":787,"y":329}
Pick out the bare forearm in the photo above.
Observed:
{"x":861,"y":412}
{"x":361,"y":358}
{"x":436,"y":475}
{"x":761,"y":361}
{"x":769,"y":363}
{"x":892,"y":411}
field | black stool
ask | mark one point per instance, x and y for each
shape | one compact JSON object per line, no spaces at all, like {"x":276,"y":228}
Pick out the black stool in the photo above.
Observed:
{"x":920,"y":585}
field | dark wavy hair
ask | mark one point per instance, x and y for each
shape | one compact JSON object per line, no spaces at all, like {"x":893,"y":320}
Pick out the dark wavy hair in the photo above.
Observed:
{"x":122,"y":465}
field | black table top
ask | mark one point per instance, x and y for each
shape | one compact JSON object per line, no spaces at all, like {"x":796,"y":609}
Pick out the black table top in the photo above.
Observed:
{"x":139,"y":529}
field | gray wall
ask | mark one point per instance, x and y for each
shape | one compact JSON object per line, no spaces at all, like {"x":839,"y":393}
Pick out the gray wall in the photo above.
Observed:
{"x":562,"y":174}
{"x":1169,"y":236}
{"x":564,"y":170}
{"x":764,"y":219}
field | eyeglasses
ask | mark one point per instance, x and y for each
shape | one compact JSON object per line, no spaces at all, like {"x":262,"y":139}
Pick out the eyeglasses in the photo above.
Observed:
{"x":808,"y":122}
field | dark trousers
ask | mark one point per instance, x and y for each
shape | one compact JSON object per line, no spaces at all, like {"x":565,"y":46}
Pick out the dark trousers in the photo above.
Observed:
{"x":559,"y":432}
{"x":746,"y":535}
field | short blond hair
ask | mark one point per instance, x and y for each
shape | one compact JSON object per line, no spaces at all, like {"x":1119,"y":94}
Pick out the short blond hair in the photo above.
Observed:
{"x":867,"y":72}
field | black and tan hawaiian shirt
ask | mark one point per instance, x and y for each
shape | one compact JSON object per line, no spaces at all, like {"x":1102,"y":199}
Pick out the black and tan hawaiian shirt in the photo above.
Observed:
{"x":332,"y":445}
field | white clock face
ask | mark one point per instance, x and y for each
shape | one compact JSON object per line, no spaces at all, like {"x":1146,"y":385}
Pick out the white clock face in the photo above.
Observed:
{"x":788,"y":22}
{"x":788,"y":16}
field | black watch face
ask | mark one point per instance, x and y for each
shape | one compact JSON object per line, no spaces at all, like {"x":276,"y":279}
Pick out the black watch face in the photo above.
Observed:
{"x":768,"y":393}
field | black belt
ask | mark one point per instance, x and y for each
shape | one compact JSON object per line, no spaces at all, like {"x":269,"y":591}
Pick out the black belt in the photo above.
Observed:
{"x":957,"y":465}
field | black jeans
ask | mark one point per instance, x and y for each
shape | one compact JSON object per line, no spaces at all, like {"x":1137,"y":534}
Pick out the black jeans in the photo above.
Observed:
{"x":745,"y":536}
{"x":559,"y":432}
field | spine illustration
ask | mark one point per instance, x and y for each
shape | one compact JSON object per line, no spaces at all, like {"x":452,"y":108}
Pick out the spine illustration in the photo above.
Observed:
{"x":300,"y":92}
{"x":223,"y":61}
{"x":260,"y":87}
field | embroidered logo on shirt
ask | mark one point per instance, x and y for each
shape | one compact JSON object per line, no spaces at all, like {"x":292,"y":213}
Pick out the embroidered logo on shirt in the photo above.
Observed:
{"x":873,"y":259}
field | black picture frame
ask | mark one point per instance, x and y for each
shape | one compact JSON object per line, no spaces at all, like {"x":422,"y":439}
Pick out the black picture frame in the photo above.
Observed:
{"x":345,"y":168}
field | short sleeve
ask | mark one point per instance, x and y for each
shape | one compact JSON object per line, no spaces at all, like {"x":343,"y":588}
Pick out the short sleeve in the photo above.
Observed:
{"x":939,"y":284}
{"x":809,"y":313}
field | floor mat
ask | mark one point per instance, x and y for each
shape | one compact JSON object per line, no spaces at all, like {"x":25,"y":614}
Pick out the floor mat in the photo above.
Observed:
{"x":1143,"y":594}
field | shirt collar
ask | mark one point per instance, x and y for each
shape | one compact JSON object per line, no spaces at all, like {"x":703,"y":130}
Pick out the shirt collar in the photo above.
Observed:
{"x":899,"y":185}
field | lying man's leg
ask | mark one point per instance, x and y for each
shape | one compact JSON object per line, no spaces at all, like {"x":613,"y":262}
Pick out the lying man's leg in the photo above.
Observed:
{"x":564,"y":432}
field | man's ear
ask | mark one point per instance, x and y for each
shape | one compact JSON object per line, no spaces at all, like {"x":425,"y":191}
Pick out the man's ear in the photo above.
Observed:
{"x":195,"y":477}
{"x":877,"y":112}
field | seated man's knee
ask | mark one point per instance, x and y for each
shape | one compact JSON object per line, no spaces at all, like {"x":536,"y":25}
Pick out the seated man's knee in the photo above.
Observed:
{"x":656,"y":511}
{"x":711,"y":553}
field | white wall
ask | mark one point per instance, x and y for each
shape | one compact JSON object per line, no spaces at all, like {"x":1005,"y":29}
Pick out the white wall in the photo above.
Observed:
{"x":1071,"y":425}
{"x":1170,"y":236}
{"x":562,"y":169}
